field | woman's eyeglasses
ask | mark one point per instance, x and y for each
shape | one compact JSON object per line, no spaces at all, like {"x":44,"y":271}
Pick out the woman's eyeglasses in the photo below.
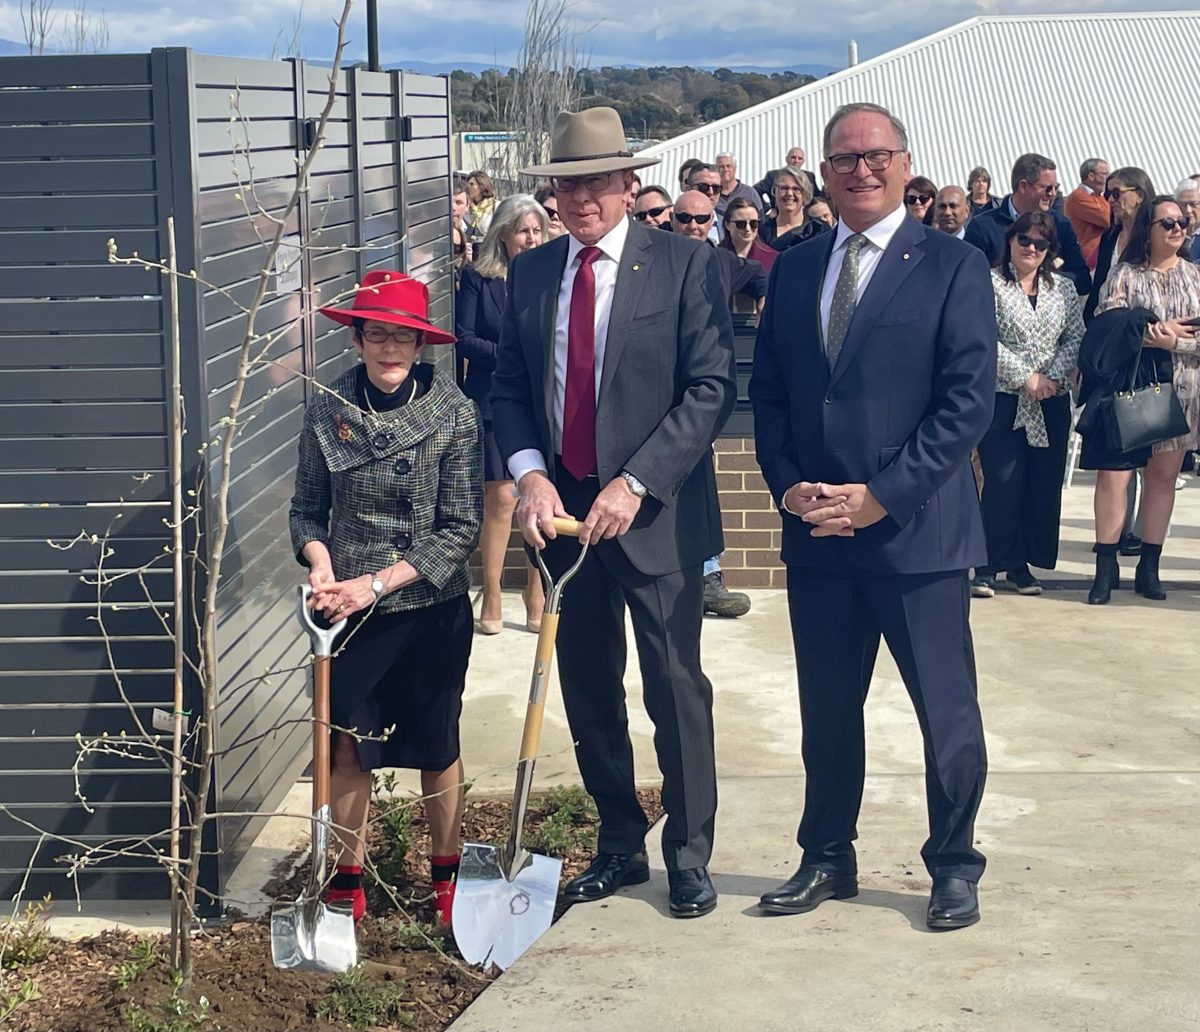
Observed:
{"x":1170,"y":225}
{"x":922,"y":198}
{"x":1115,"y":193}
{"x":686,"y":218}
{"x":401,"y":335}
{"x":746,"y":223}
{"x":1037,"y":243}
{"x":650,"y":213}
{"x":551,"y":213}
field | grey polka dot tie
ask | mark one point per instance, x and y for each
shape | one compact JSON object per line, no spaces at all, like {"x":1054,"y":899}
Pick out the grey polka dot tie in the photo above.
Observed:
{"x":845,"y":297}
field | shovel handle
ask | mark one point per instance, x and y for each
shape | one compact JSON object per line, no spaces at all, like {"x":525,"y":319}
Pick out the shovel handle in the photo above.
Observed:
{"x":569,"y":528}
{"x":536,"y":710}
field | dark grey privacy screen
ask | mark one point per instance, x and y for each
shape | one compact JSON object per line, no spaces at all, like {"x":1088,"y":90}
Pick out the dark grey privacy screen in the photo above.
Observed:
{"x":109,"y":146}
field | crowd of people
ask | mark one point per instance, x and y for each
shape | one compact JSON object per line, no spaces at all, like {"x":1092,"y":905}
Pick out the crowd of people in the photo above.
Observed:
{"x":923,"y":356}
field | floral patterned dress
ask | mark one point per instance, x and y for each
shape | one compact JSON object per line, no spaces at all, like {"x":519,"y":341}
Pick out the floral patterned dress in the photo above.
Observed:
{"x":1173,"y":294}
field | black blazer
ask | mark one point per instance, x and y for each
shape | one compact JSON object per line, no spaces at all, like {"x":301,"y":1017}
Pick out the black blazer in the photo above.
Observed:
{"x":911,"y":394}
{"x":1104,"y":263}
{"x":478,"y":316}
{"x":666,"y":388}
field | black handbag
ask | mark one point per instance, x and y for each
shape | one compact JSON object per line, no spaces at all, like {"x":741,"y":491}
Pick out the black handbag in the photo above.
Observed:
{"x":1142,"y":416}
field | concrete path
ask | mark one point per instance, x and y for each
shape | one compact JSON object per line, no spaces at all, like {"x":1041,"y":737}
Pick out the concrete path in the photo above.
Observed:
{"x":1091,"y":913}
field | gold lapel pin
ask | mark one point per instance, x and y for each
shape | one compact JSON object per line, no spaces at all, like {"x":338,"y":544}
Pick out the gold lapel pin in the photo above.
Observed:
{"x":905,"y":256}
{"x":343,"y":429}
{"x":636,"y":266}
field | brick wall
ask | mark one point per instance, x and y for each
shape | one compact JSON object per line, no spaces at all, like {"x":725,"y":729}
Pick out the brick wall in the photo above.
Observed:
{"x":748,"y":515}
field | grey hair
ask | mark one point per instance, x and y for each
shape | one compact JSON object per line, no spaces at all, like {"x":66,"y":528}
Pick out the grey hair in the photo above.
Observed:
{"x":864,"y":108}
{"x":729,"y":156}
{"x":1090,"y":166}
{"x":1188,"y":185}
{"x":696,"y":170}
{"x":802,"y":181}
{"x":492,"y":258}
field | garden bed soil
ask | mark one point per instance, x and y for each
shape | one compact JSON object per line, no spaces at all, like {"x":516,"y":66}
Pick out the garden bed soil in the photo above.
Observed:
{"x":80,"y":982}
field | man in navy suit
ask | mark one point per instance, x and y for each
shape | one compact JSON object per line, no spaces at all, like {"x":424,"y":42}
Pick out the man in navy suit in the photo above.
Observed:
{"x":874,"y":377}
{"x":1034,"y":188}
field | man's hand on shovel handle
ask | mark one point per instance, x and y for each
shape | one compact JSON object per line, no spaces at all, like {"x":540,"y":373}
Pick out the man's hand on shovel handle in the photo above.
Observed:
{"x":537,"y":505}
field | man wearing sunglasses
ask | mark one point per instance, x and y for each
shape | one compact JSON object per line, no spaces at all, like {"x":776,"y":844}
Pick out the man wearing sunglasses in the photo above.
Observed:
{"x":1034,"y":187}
{"x":707,"y":180}
{"x":874,"y":378}
{"x":614,"y":375}
{"x":652,"y":207}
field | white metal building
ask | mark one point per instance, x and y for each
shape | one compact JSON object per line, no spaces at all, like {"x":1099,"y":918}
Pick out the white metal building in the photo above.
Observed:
{"x":1115,"y":86}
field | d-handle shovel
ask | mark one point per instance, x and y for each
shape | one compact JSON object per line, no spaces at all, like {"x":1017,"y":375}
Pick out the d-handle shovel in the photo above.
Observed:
{"x":505,"y":896}
{"x":310,"y":935}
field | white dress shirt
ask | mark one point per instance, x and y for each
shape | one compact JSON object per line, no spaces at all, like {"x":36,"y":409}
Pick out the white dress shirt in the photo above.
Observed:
{"x":878,"y":238}
{"x":605,"y":269}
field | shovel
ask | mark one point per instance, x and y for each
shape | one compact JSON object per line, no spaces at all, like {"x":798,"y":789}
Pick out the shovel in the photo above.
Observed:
{"x":505,"y":896}
{"x":310,"y":935}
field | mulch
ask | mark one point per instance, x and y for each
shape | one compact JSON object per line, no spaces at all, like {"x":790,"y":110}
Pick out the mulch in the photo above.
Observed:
{"x":246,"y":993}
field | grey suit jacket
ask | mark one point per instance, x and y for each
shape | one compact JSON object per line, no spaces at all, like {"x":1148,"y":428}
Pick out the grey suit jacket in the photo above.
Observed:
{"x":666,"y":388}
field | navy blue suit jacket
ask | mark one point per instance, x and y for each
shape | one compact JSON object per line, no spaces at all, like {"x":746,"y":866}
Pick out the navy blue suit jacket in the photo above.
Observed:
{"x":986,"y":231}
{"x":909,"y":397}
{"x":478,"y":317}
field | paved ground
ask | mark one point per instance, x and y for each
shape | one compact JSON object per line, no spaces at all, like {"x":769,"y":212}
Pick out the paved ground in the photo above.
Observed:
{"x":1091,"y":915}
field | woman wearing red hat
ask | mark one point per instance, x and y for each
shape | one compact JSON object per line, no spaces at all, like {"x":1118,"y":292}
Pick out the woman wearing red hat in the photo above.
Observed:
{"x":386,"y":513}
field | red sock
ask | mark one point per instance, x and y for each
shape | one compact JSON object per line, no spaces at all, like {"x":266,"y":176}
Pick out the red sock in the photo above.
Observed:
{"x":445,"y":872}
{"x":346,"y":887}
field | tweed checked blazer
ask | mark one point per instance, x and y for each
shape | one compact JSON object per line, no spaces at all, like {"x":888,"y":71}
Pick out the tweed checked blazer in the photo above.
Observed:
{"x":402,"y":484}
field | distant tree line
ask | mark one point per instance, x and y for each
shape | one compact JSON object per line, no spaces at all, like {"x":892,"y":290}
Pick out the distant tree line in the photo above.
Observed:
{"x":656,"y":103}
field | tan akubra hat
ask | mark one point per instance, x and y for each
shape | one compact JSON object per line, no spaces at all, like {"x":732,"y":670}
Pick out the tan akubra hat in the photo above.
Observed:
{"x":588,"y":143}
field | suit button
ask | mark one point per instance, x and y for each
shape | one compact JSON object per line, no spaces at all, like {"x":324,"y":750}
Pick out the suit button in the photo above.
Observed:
{"x":381,"y":441}
{"x":403,"y":466}
{"x":404,"y":506}
{"x":828,"y":399}
{"x":402,"y":541}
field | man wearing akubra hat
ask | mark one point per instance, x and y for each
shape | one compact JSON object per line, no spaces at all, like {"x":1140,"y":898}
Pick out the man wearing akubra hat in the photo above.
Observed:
{"x":614,"y":374}
{"x":386,"y":513}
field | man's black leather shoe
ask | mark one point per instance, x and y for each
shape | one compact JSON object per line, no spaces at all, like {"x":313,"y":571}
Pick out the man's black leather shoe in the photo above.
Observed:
{"x":607,"y":873}
{"x":954,"y":903}
{"x":692,"y":892}
{"x":807,"y":888}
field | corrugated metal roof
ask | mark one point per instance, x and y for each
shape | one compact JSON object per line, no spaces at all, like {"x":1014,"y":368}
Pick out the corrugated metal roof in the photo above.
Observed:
{"x":986,"y":90}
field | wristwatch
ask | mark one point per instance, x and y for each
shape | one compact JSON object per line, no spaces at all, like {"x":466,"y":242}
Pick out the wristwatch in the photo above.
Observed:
{"x":635,"y":486}
{"x":378,"y":587}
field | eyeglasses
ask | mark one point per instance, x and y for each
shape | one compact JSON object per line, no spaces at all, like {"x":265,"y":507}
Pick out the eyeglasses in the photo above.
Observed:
{"x":401,"y":335}
{"x":918,"y":198}
{"x":746,"y":223}
{"x":686,"y":219}
{"x":1115,"y":193}
{"x":1170,"y":225}
{"x":1037,"y":243}
{"x":650,"y":213}
{"x":786,"y":190}
{"x":877,"y":160}
{"x":708,"y":188}
{"x":551,"y":213}
{"x":592,"y":184}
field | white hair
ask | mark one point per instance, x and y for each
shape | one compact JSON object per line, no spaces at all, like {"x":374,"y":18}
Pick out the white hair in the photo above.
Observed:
{"x":492,"y":258}
{"x":729,"y":156}
{"x":1188,"y":185}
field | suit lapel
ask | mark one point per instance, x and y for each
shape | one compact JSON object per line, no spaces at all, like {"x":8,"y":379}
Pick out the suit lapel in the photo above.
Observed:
{"x":543,"y":314}
{"x":902,"y":256}
{"x":633,"y":273}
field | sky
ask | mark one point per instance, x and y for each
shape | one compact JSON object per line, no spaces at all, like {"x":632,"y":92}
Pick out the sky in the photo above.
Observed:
{"x":762,"y":33}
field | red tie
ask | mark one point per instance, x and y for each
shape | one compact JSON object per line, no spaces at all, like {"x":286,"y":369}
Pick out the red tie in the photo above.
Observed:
{"x":579,"y":408}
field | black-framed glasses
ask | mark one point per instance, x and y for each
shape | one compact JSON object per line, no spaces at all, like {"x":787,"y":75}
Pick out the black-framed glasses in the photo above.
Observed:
{"x":788,"y":190}
{"x":1115,"y":193}
{"x":401,"y":335}
{"x":569,"y":184}
{"x":746,"y":223}
{"x":708,"y":188}
{"x":551,"y":213}
{"x":1037,"y":243}
{"x":876,"y":160}
{"x":685,"y":218}
{"x":1170,"y":225}
{"x":918,"y":198}
{"x":651,"y":213}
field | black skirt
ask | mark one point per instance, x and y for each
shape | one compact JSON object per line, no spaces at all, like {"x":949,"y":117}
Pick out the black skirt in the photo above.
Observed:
{"x":493,"y":462}
{"x":404,"y":671}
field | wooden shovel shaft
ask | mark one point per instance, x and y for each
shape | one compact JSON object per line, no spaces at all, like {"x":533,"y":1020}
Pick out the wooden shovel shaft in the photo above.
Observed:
{"x":321,"y":668}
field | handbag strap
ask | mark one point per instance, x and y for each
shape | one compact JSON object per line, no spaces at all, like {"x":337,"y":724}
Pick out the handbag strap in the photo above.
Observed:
{"x":1137,"y":368}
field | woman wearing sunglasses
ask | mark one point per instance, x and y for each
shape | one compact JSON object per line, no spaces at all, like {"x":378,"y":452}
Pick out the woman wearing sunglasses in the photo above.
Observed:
{"x":1024,"y":452}
{"x":790,"y":226}
{"x":742,"y":220}
{"x":1154,"y":274}
{"x":544,"y":195}
{"x":919,"y":193}
{"x":1126,"y":190}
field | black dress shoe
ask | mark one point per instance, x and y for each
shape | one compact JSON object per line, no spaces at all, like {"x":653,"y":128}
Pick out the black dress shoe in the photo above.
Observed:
{"x":692,"y":892}
{"x":954,"y":903}
{"x":807,"y":888}
{"x":607,"y":873}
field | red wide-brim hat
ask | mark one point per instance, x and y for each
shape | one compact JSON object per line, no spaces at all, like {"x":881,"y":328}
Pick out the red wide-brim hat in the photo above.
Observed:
{"x":391,"y":297}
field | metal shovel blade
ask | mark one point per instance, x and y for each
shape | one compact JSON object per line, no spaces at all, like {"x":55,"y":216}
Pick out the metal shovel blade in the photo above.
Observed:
{"x":310,"y":935}
{"x":496,"y":920}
